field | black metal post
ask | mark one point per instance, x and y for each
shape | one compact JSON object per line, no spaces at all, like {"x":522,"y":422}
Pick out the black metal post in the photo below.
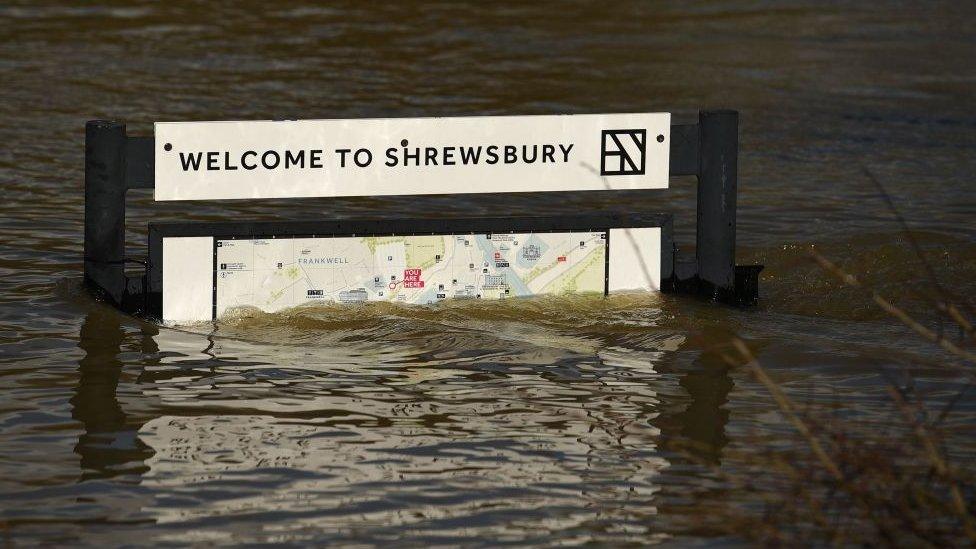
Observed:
{"x":717,"y":185}
{"x":104,"y":246}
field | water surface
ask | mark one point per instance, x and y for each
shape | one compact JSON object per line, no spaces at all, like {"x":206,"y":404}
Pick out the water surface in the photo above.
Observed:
{"x":539,"y":421}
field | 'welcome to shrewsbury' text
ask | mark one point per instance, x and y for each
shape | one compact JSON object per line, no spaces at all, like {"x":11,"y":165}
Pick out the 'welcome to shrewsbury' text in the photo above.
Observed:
{"x":403,"y":156}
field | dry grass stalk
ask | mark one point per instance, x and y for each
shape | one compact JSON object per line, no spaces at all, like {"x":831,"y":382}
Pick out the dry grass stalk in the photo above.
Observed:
{"x":909,"y":493}
{"x":946,"y":305}
{"x":931,"y":450}
{"x":894,"y":310}
{"x":889,"y":494}
{"x":886,"y":528}
{"x":958,"y":318}
{"x":788,"y":409}
{"x":938,"y":462}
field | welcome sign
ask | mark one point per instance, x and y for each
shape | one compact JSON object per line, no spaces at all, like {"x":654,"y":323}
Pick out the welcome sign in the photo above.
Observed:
{"x":197,"y":271}
{"x":410,"y":156}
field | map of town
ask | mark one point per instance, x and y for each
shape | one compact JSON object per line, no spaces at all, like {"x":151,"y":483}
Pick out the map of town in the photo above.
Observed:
{"x":275,"y":274}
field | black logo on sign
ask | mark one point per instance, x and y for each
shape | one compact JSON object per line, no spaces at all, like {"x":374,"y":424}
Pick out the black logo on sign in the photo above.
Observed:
{"x":623,"y":152}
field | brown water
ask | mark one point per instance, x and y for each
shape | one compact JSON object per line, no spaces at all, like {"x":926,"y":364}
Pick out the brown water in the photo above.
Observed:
{"x":531,"y":422}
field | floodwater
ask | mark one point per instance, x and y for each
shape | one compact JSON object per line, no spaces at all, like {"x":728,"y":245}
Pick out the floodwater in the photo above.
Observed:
{"x":534,"y":422}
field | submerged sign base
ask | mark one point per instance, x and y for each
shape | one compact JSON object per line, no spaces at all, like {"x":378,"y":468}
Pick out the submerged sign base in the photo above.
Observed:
{"x":200,"y":271}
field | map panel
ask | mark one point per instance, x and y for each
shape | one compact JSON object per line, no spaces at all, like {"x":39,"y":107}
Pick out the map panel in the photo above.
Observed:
{"x":275,"y":274}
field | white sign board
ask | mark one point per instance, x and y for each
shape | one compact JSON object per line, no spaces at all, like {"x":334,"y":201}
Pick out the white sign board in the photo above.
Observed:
{"x":410,"y":156}
{"x":203,"y":277}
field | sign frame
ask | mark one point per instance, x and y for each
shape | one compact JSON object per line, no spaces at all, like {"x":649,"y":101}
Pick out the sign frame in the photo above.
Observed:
{"x":116,"y":163}
{"x":399,"y":227}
